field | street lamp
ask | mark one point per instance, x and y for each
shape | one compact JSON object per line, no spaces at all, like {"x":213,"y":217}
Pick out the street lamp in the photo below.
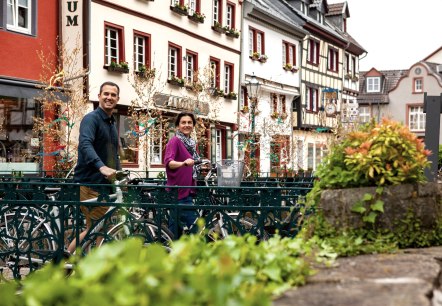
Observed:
{"x":253,"y":87}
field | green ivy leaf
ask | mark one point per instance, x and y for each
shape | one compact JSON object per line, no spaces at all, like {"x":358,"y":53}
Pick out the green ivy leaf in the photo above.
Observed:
{"x":378,"y":206}
{"x":358,"y":207}
{"x":371,"y":218}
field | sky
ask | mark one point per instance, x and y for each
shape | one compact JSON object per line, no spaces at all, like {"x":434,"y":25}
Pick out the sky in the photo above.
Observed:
{"x":396,"y":33}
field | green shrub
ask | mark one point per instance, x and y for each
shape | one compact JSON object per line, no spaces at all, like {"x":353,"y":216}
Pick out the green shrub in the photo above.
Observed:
{"x":375,"y":155}
{"x":233,"y":271}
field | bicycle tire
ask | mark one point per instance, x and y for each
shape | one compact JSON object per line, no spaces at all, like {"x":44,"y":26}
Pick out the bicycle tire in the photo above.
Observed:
{"x":235,"y":225}
{"x":26,"y":241}
{"x":146,"y":229}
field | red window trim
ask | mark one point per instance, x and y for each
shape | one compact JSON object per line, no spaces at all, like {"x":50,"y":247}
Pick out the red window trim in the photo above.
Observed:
{"x":120,"y":30}
{"x":147,"y":47}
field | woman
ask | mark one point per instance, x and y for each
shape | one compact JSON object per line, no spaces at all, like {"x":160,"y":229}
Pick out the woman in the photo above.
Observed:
{"x":180,"y":159}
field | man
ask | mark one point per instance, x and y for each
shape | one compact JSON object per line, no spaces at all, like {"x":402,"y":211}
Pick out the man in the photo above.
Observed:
{"x":97,"y":153}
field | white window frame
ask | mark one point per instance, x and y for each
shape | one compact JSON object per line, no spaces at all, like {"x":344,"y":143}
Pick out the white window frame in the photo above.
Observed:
{"x":373,"y":84}
{"x":215,"y":12}
{"x":112,"y":44}
{"x":156,"y":145}
{"x":190,"y":67}
{"x":139,"y":51}
{"x":364,"y":114}
{"x":218,"y":145}
{"x":229,"y":15}
{"x":13,"y":9}
{"x":227,"y":75}
{"x":314,"y":45}
{"x":173,"y":62}
{"x":314,"y":94}
{"x":315,"y":154}
{"x":418,"y":85}
{"x":192,"y":7}
{"x":416,"y":118}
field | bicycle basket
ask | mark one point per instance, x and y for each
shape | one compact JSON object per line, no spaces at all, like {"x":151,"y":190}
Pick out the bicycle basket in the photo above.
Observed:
{"x":229,"y":172}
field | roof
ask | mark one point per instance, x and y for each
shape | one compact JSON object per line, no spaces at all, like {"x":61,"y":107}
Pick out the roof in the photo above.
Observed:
{"x":335,"y":9}
{"x":389,"y":80}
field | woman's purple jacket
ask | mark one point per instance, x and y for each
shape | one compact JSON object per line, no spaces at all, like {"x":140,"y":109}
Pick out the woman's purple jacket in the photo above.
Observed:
{"x":175,"y":150}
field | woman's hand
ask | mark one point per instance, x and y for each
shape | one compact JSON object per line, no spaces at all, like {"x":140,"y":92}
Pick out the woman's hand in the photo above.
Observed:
{"x":188,"y":162}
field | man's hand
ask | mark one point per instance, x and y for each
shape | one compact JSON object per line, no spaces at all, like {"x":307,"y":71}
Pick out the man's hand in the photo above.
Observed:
{"x":108,"y":173}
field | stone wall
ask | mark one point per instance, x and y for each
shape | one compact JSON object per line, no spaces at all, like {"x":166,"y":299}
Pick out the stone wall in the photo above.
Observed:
{"x":422,"y":200}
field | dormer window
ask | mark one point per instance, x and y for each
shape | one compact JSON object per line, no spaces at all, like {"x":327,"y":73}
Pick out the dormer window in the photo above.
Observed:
{"x":373,"y":84}
{"x":320,"y":17}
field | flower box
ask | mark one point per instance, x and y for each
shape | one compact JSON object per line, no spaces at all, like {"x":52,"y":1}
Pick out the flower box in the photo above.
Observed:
{"x":180,"y":10}
{"x":218,"y":28}
{"x":245,"y":109}
{"x":197,"y":17}
{"x":117,"y":69}
{"x":176,"y":82}
{"x":231,"y":95}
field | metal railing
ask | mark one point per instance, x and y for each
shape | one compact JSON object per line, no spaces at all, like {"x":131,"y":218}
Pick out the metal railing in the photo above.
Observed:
{"x":40,"y":216}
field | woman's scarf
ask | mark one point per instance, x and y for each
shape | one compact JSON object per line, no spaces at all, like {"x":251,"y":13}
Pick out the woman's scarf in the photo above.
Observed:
{"x":190,"y":145}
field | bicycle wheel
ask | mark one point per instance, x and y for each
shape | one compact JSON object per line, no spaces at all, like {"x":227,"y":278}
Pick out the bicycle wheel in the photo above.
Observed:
{"x":146,"y":229}
{"x":224,"y":224}
{"x":26,"y":243}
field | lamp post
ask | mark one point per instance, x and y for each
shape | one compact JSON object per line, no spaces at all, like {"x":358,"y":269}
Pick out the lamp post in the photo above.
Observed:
{"x":253,"y":86}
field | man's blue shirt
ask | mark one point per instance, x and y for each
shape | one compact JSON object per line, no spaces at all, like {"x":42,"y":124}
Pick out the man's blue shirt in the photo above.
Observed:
{"x":97,"y":147}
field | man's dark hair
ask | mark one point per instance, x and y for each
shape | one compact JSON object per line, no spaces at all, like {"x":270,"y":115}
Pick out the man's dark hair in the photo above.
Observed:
{"x":110,"y":84}
{"x":183,"y":114}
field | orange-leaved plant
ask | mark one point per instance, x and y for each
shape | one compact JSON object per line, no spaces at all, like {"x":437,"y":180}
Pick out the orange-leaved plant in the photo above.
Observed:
{"x":380,"y":154}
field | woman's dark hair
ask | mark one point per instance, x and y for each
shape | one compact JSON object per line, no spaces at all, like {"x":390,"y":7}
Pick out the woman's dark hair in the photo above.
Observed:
{"x":183,"y":114}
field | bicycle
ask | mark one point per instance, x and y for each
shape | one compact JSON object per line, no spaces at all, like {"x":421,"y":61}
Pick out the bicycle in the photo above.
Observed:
{"x":30,"y":234}
{"x":219,"y":222}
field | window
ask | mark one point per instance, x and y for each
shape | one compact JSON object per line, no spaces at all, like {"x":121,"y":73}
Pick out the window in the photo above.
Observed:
{"x":312,"y":99}
{"x":174,"y":66}
{"x":141,"y":50}
{"x":157,"y":142}
{"x":228,"y":78}
{"x":278,"y":103}
{"x":244,"y":98}
{"x":347,"y":63}
{"x":333,"y":60}
{"x":315,"y":153}
{"x":214,"y":73}
{"x":256,"y":41}
{"x":18,"y":142}
{"x":218,"y":145}
{"x":288,"y":54}
{"x":191,"y":66}
{"x":416,"y":118}
{"x":313,"y":52}
{"x":418,"y":85}
{"x":230,"y":15}
{"x":217,"y":12}
{"x":279,"y":152}
{"x":128,"y":142}
{"x":364,"y":114}
{"x":353,"y":65}
{"x":304,"y":9}
{"x":19,"y":15}
{"x":194,"y":6}
{"x":114,"y":44}
{"x":373,"y":84}
{"x":320,"y":17}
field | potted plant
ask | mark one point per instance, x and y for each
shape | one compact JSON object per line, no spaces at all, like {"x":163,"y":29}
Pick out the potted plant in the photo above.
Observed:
{"x":347,"y":76}
{"x":197,"y":17}
{"x":217,"y":27}
{"x":231,"y":95}
{"x":121,"y":67}
{"x":231,"y":32}
{"x":355,"y":78}
{"x":290,"y":67}
{"x":145,"y":72}
{"x":218,"y":92}
{"x":176,"y":81}
{"x":284,"y":116}
{"x":263,"y":58}
{"x":180,"y":9}
{"x":245,"y":109}
{"x":274,"y":115}
{"x":255,"y":55}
